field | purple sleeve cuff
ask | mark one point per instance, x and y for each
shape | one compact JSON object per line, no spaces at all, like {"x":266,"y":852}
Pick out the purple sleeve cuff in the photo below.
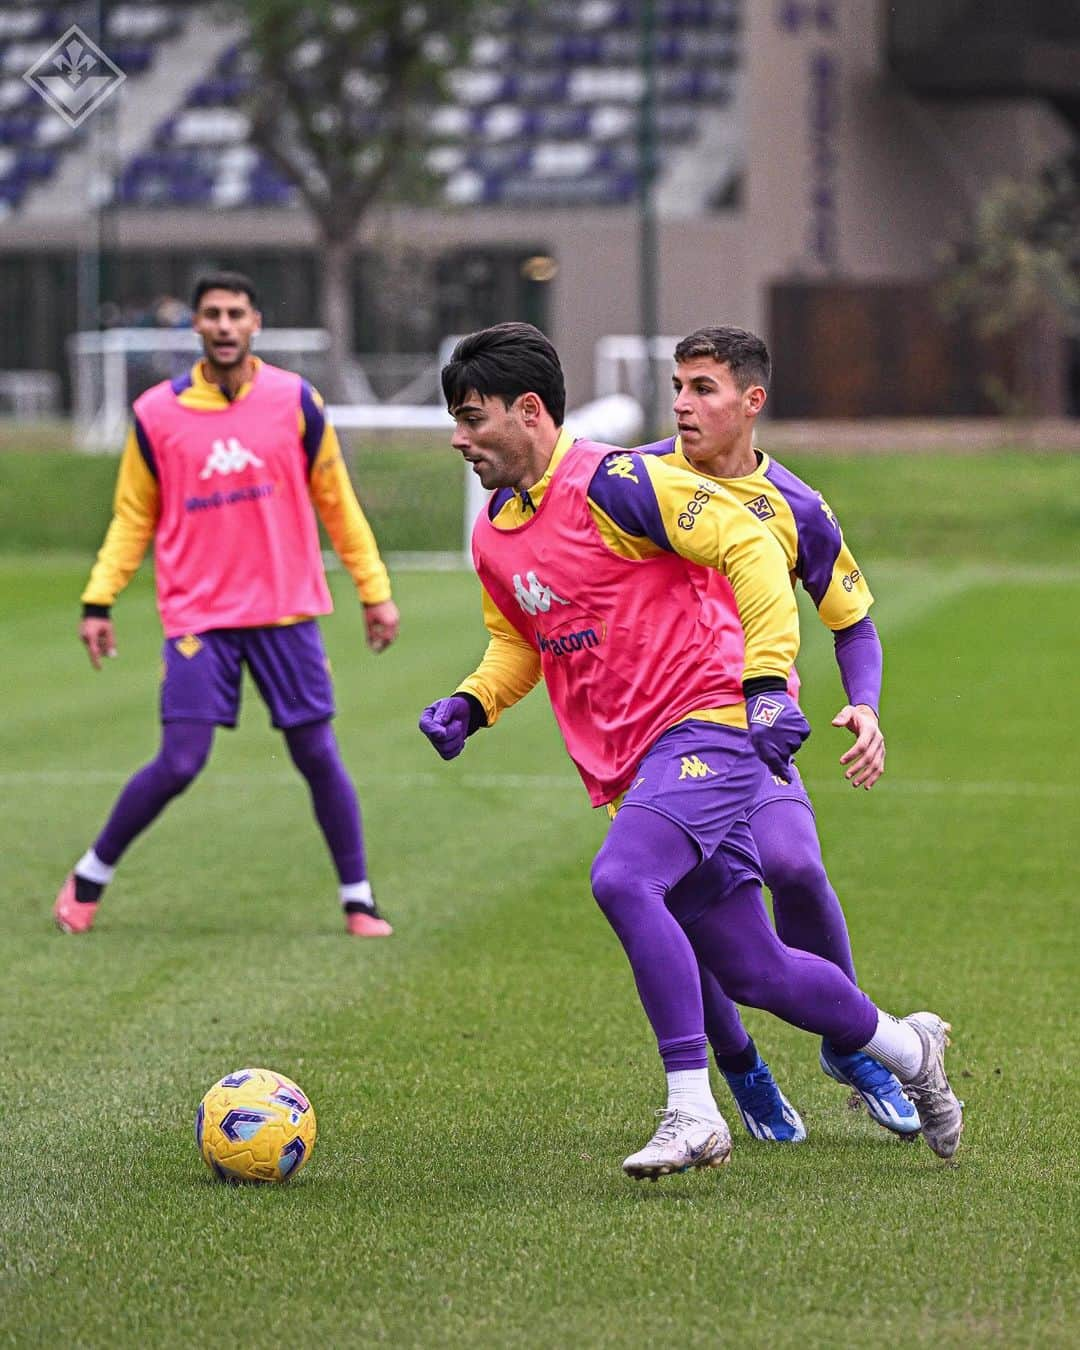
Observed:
{"x":858,"y":654}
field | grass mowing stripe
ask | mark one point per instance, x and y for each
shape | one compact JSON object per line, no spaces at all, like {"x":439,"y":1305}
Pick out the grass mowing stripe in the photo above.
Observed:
{"x":479,"y":1076}
{"x":14,"y":782}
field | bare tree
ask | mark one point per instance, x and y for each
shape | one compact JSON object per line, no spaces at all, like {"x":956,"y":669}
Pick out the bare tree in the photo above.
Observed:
{"x":1022,"y":257}
{"x":342,"y":93}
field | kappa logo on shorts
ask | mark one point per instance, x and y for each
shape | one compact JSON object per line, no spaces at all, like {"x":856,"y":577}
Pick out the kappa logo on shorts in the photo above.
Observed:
{"x":188,"y":646}
{"x":532,"y":595}
{"x":694,"y":767}
{"x":766,"y":711}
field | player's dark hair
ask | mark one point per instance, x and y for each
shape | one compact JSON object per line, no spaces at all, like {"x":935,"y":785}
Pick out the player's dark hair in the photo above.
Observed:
{"x":505,"y":362}
{"x":743,"y":351}
{"x":224,"y":281}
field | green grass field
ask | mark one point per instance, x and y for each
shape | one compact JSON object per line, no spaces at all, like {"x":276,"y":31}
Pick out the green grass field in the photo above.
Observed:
{"x":479,"y":1077}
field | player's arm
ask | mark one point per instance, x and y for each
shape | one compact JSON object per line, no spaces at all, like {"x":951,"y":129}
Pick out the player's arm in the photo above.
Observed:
{"x":704,"y":523}
{"x":509,"y":669}
{"x":136,"y":508}
{"x":352,"y":538}
{"x":645,"y":498}
{"x":838,"y":587}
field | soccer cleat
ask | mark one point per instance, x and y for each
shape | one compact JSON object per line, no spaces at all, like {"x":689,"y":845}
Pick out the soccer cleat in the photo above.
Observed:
{"x":682,"y":1141}
{"x":766,"y":1112}
{"x":364,"y":920}
{"x":71,"y":915}
{"x":879,"y":1089}
{"x":942,"y":1114}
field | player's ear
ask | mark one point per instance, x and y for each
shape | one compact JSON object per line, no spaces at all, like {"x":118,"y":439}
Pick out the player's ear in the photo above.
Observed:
{"x":530,"y":408}
{"x":754,"y":399}
{"x":258,"y":323}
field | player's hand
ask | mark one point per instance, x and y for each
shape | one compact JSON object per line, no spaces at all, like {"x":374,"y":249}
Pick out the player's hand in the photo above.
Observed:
{"x":866,"y":758}
{"x":383,"y":622}
{"x":777,"y":729}
{"x":446,"y":724}
{"x":99,"y":638}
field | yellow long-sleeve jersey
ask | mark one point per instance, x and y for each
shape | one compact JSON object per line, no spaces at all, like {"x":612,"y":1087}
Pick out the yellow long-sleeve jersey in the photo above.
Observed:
{"x":137,"y":498}
{"x":643,"y":506}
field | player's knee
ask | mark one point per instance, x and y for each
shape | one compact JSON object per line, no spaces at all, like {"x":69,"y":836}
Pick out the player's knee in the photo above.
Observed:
{"x":184,"y":763}
{"x":795,"y":871}
{"x":616,"y":887}
{"x":313,"y":749}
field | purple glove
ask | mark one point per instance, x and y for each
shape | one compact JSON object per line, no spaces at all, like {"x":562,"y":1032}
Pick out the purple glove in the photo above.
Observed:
{"x":777,"y":729}
{"x":446,"y":724}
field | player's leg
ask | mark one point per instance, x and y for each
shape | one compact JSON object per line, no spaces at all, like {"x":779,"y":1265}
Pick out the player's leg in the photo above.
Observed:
{"x":763,"y":1108}
{"x":808,"y":916}
{"x":733,"y":938}
{"x":642,"y":857}
{"x":199,"y":690}
{"x":806,"y":908}
{"x":291,"y":671}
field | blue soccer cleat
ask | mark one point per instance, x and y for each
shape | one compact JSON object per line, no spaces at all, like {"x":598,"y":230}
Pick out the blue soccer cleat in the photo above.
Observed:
{"x":879,"y":1089}
{"x":766,"y":1112}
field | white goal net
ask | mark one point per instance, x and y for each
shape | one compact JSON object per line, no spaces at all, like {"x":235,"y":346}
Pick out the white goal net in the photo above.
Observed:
{"x":111,"y":369}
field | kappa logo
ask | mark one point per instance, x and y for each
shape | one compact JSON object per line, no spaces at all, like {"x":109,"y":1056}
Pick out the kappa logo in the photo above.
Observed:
{"x":621,"y":466}
{"x":766,"y":711}
{"x":693,"y":767}
{"x":761,"y":507}
{"x":227,"y":457}
{"x":533,"y":596}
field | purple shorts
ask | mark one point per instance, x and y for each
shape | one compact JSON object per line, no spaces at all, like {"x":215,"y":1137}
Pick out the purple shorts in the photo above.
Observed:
{"x":703,"y":776}
{"x":202,"y":674}
{"x":773,"y":789}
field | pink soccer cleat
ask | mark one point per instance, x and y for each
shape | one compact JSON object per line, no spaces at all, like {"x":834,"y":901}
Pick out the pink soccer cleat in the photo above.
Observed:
{"x":367,"y":923}
{"x":71,"y":915}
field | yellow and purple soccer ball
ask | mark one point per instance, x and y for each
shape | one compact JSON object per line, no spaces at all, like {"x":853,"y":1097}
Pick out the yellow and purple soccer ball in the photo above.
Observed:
{"x":255,"y":1125}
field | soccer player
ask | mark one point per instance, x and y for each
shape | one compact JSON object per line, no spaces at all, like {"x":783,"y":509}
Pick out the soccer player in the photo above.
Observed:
{"x":221,"y":468}
{"x":721,"y":384}
{"x":582,"y":554}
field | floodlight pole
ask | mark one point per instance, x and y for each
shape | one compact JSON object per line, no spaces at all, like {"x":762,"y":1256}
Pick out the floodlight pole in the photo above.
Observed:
{"x":648,"y":285}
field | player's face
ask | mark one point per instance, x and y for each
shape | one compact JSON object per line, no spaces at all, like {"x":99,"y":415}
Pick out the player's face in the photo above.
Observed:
{"x":711,"y":412}
{"x":226,"y":321}
{"x":494,"y":439}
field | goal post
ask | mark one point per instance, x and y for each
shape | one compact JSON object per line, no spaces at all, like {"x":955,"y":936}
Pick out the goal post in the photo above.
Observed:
{"x":110,"y":369}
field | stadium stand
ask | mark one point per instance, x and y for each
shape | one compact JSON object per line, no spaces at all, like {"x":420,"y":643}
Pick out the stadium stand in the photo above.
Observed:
{"x":543,"y":112}
{"x":33,"y":139}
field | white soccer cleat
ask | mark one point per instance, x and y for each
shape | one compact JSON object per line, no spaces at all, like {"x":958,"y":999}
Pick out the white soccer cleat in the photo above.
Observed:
{"x":939,"y":1110}
{"x":682,"y":1141}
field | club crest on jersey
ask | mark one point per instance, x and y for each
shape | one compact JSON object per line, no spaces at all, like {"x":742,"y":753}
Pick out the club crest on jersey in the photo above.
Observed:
{"x":766,"y":711}
{"x":188,"y":646}
{"x":533,"y":596}
{"x":227,"y":457}
{"x":694,"y":767}
{"x":761,"y":508}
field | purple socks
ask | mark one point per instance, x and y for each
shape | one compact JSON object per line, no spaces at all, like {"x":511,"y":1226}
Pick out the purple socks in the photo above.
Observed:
{"x":185,"y":747}
{"x":642,"y":856}
{"x":807,"y":912}
{"x":315,"y":753}
{"x":636,"y":881}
